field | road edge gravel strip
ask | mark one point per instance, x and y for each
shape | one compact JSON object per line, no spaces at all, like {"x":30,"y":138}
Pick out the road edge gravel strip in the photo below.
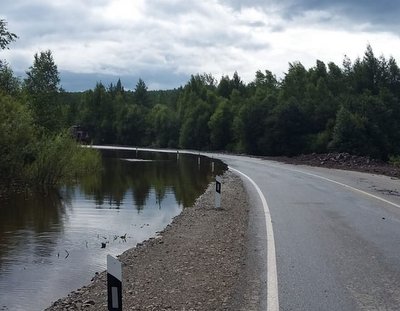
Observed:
{"x":198,"y":262}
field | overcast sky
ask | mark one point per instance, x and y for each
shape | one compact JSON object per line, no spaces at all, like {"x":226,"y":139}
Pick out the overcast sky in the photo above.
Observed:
{"x":165,"y":41}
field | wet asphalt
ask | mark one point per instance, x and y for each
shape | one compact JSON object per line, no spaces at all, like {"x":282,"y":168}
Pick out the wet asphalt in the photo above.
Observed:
{"x":337,"y":248}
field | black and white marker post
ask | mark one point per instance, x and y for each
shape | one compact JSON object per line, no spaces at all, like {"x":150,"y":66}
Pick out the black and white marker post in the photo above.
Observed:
{"x":114,"y":284}
{"x":217,"y":192}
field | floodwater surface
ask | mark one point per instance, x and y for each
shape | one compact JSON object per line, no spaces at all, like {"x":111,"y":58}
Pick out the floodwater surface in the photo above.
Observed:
{"x":52,"y":243}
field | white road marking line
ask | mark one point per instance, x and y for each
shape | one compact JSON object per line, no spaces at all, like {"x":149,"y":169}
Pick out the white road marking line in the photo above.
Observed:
{"x":282,"y":166}
{"x":272,"y":276}
{"x":350,"y":187}
{"x":338,"y":183}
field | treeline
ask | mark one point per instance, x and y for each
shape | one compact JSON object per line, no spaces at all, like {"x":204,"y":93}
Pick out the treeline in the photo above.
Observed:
{"x":351,"y":108}
{"x":35,"y":147}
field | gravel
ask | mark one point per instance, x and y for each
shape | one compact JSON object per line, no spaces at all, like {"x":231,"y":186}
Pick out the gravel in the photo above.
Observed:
{"x":196,"y":263}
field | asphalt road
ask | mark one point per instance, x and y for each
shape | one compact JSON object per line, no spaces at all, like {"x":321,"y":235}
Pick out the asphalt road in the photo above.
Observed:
{"x":336,"y":236}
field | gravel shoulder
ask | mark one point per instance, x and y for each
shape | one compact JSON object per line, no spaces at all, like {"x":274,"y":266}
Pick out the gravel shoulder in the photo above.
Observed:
{"x":197,"y":263}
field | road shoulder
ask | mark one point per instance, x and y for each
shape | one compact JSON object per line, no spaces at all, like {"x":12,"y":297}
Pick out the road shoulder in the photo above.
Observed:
{"x":196,"y":263}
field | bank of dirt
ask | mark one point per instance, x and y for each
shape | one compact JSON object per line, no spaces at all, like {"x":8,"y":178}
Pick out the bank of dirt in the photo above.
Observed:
{"x":196,"y":263}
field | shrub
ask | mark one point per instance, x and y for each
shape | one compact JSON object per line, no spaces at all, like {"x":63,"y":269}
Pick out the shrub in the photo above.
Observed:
{"x":17,"y":136}
{"x":60,"y":159}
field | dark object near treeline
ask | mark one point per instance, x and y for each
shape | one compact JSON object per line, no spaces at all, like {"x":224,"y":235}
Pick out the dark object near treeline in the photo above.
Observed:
{"x":80,"y":134}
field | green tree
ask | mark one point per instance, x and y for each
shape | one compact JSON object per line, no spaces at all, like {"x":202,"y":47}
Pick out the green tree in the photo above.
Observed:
{"x":220,"y":125}
{"x":131,"y":127}
{"x":349,"y":133}
{"x":43,"y":76}
{"x":16,"y":139}
{"x":165,"y":125}
{"x":195,"y":132}
{"x":141,"y":94}
{"x":6,"y":37}
{"x":294,"y":83}
{"x":42,"y":86}
{"x":224,"y":87}
{"x":8,"y":83}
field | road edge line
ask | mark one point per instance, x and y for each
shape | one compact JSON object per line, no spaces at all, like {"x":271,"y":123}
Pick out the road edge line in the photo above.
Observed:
{"x":272,"y":275}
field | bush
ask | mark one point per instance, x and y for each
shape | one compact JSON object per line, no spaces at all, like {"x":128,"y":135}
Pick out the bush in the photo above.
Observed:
{"x":60,"y":159}
{"x":17,"y":136}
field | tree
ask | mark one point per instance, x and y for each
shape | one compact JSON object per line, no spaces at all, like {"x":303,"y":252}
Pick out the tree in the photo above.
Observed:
{"x":131,"y":126}
{"x":42,"y":86}
{"x":295,"y":82}
{"x":349,"y":133}
{"x":220,"y":125}
{"x":8,"y":83}
{"x":16,"y":138}
{"x":224,"y":87}
{"x":140,"y":94}
{"x":43,"y":76}
{"x":6,"y":37}
{"x":117,"y":89}
{"x":195,"y":131}
{"x":165,"y":126}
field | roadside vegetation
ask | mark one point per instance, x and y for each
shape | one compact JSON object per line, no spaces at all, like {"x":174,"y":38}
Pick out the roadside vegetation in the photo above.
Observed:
{"x":352,"y":108}
{"x":36,"y":148}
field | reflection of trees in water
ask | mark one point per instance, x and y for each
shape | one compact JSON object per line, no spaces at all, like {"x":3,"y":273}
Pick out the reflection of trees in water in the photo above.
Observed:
{"x":164,"y":173}
{"x":28,"y":216}
{"x":40,"y":218}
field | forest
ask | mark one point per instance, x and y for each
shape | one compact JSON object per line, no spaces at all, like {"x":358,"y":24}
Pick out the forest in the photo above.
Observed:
{"x":352,"y":108}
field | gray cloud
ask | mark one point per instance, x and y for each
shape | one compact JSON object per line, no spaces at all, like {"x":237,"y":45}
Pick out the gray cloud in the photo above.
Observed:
{"x":375,"y":15}
{"x":164,"y":42}
{"x":381,"y":12}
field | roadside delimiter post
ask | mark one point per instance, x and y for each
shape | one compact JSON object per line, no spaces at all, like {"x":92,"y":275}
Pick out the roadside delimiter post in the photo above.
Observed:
{"x":114,"y":284}
{"x":217,"y":192}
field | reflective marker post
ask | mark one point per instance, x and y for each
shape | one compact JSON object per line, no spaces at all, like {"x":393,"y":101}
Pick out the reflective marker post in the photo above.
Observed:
{"x":114,"y":284}
{"x":217,"y":192}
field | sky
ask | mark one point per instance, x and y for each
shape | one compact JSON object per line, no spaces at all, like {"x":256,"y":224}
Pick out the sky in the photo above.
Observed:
{"x":165,"y":41}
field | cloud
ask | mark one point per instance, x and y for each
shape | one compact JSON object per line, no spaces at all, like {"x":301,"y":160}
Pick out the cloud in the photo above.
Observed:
{"x":157,"y":39}
{"x":370,"y":15}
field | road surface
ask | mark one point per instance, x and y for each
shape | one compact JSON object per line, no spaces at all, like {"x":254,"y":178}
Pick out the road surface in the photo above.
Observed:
{"x":336,"y":237}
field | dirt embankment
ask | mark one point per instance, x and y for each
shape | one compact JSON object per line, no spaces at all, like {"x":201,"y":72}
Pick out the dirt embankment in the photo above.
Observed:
{"x":343,"y":161}
{"x":194,"y":264}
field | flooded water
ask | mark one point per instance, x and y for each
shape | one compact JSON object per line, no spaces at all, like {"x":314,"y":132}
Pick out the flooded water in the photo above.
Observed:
{"x":54,"y":243}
